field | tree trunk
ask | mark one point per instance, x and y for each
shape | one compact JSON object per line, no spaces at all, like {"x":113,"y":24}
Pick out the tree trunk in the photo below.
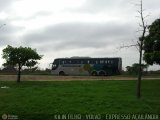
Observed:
{"x":141,"y":39}
{"x":19,"y":74}
{"x":139,"y":72}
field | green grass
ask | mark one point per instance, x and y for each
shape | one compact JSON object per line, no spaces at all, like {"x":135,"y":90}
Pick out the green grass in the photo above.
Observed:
{"x":30,"y":98}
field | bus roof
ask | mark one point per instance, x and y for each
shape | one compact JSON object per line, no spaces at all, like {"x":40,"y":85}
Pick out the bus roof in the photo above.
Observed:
{"x":89,"y":58}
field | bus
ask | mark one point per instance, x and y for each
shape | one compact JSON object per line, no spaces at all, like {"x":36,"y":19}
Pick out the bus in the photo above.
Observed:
{"x":87,"y":66}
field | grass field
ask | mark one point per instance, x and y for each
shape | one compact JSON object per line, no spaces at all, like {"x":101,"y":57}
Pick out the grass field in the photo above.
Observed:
{"x":34,"y":99}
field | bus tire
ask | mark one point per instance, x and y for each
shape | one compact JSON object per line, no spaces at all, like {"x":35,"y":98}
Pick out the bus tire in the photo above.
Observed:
{"x":61,"y":73}
{"x":94,"y":73}
{"x":102,"y":73}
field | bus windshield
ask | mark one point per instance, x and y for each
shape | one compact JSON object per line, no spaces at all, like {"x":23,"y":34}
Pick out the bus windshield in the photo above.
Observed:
{"x":54,"y":66}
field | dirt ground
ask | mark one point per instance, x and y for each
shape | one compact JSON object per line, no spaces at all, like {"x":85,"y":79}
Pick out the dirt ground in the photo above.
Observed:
{"x":65,"y":78}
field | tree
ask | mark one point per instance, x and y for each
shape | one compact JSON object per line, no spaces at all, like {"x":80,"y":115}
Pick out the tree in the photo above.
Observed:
{"x":20,"y":56}
{"x":139,"y":45}
{"x":152,"y":44}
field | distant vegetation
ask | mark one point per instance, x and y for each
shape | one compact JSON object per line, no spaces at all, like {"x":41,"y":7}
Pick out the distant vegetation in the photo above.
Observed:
{"x":135,"y":67}
{"x":10,"y":70}
{"x":130,"y":71}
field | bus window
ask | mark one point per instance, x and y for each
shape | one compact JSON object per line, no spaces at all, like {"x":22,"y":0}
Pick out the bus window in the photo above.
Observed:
{"x":91,"y":62}
{"x":67,"y":62}
{"x":101,"y":61}
{"x":78,"y":62}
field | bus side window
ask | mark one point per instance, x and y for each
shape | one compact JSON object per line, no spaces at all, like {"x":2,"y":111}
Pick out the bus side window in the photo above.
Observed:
{"x":101,"y":61}
{"x":60,"y":62}
{"x":79,"y":62}
{"x":91,"y":62}
{"x":71,"y":61}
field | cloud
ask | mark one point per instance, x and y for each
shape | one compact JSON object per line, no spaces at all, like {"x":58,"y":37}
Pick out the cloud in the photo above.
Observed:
{"x":84,"y":27}
{"x":9,"y":34}
{"x":95,"y":6}
{"x":4,"y":4}
{"x":80,"y":35}
{"x":103,"y":6}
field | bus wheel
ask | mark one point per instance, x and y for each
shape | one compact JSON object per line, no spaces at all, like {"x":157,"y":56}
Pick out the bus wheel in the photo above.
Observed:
{"x":102,"y":73}
{"x":94,"y":73}
{"x":61,"y":73}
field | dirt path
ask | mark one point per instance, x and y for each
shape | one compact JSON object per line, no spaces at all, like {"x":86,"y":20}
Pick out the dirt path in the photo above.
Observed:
{"x":65,"y":78}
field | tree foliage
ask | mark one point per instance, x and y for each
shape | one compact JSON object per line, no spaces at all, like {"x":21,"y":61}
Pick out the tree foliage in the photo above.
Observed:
{"x":20,"y":56}
{"x":152,"y":44}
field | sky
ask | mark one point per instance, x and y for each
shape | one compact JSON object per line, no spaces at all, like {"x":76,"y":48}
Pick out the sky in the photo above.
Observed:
{"x":66,"y":28}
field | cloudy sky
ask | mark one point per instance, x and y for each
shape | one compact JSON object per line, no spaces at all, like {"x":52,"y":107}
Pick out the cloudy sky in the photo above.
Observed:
{"x":66,"y":28}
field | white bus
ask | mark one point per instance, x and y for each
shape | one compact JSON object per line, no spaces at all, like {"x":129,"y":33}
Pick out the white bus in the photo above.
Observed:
{"x":87,"y":66}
